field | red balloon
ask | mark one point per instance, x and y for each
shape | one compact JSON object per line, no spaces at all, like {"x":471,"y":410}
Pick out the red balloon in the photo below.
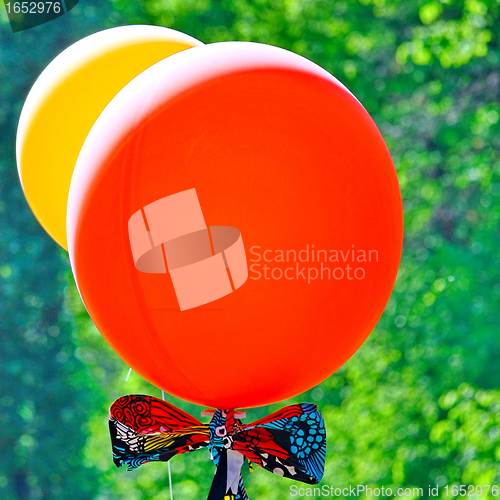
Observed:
{"x":274,"y":146}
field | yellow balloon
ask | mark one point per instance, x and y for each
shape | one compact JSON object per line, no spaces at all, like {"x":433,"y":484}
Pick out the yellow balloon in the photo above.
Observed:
{"x":66,"y":100}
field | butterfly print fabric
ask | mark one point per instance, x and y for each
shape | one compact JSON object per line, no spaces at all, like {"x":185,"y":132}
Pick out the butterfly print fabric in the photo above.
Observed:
{"x":290,"y":442}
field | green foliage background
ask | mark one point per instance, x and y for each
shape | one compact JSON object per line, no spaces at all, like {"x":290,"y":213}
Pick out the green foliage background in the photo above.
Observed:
{"x":419,"y":404}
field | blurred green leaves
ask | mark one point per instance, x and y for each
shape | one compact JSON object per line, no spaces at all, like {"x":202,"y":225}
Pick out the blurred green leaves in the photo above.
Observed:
{"x":453,"y":32}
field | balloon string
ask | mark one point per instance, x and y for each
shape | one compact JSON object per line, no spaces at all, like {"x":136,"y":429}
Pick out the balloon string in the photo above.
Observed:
{"x":168,"y":463}
{"x":170,"y":481}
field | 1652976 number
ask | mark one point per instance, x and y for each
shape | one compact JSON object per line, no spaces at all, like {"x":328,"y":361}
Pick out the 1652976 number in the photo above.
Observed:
{"x":463,"y":490}
{"x":33,"y":7}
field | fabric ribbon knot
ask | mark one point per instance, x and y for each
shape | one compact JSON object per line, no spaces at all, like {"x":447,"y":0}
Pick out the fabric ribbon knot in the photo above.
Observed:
{"x":290,"y":442}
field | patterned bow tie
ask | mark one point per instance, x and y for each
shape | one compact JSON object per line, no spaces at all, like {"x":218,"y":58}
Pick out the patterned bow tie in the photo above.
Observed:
{"x":290,"y":442}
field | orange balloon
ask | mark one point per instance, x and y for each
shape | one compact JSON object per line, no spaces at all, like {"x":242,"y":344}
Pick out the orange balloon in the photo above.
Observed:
{"x":274,"y":146}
